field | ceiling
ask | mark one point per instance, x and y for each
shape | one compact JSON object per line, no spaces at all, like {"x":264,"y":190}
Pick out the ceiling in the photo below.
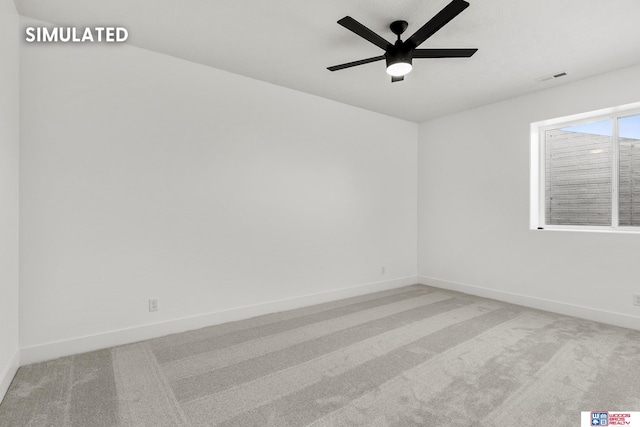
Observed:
{"x":291,"y":42}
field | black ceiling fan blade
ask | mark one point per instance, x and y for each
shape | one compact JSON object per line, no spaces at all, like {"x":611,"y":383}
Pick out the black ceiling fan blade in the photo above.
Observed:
{"x":352,"y":25}
{"x":396,"y":79}
{"x":354,"y":63}
{"x":443,"y":53}
{"x":443,"y":17}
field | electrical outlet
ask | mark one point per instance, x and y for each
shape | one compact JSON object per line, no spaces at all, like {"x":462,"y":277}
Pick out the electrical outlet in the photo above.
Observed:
{"x":383,"y":271}
{"x":636,"y":299}
{"x":153,"y":305}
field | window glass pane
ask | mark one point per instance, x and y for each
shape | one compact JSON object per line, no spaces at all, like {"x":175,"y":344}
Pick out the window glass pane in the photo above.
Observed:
{"x":578,"y":174}
{"x":629,"y":187}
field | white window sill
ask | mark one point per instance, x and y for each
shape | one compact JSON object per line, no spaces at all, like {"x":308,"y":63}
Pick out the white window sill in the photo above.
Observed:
{"x":612,"y":230}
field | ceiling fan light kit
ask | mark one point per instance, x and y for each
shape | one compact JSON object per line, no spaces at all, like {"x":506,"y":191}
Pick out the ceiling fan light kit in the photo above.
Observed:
{"x":399,"y":68}
{"x":399,"y":56}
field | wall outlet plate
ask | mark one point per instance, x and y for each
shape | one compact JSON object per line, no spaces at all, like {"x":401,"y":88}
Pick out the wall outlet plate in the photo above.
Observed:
{"x":636,"y":299}
{"x":153,"y":305}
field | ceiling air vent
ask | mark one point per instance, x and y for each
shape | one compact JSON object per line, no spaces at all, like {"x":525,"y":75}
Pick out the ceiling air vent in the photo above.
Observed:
{"x":551,"y":77}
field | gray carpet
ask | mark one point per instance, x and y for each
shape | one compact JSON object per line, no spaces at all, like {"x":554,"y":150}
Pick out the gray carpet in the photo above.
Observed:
{"x":416,"y":356}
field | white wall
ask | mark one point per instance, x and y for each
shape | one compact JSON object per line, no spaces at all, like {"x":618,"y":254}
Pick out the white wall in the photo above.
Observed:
{"x":474,"y":210}
{"x":9,"y":134}
{"x":144,"y":176}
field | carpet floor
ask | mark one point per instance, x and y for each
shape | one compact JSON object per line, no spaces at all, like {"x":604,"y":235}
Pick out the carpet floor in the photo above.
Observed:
{"x":415,"y":356}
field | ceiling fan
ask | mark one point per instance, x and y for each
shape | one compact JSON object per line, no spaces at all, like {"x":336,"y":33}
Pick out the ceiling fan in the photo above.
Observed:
{"x":399,"y":56}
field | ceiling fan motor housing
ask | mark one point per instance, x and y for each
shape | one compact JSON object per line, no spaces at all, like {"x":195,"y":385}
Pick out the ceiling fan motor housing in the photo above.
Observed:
{"x":398,"y":53}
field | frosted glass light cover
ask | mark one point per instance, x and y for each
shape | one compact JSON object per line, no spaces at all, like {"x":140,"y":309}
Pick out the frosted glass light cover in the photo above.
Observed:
{"x":399,"y":69}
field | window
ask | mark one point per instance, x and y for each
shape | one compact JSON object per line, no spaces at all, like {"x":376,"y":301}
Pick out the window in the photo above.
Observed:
{"x":585,"y":171}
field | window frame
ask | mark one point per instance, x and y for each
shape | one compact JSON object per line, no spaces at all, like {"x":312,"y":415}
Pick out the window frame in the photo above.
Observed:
{"x":537,"y":167}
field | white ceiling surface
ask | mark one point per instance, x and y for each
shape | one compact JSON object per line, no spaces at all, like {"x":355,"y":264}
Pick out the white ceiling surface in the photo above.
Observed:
{"x":291,"y":42}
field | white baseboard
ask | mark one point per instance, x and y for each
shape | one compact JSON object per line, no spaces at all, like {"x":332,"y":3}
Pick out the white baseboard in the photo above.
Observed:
{"x":53,"y":350}
{"x":9,"y":372}
{"x":611,"y":318}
